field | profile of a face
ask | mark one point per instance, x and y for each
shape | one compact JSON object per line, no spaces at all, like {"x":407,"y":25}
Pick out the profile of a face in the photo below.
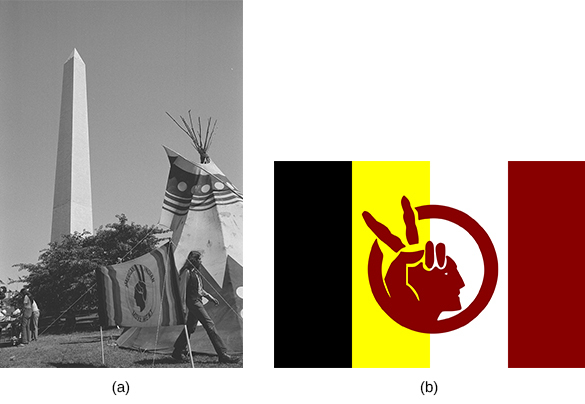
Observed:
{"x":437,"y":288}
{"x":140,"y":295}
{"x":140,"y":288}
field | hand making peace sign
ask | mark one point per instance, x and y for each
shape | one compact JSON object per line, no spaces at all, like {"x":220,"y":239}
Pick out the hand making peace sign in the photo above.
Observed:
{"x":418,"y":291}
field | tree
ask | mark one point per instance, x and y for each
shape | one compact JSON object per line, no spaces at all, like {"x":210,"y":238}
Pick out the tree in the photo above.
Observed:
{"x":66,"y":270}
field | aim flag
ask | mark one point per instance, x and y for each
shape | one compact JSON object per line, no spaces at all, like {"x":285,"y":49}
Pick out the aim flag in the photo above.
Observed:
{"x":143,"y":292}
{"x":531,"y":211}
{"x":326,"y":314}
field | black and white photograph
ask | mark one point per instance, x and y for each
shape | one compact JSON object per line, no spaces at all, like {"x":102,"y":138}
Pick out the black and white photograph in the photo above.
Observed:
{"x":122,"y":184}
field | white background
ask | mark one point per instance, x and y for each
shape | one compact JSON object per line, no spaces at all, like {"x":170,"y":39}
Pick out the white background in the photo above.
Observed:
{"x":467,"y":85}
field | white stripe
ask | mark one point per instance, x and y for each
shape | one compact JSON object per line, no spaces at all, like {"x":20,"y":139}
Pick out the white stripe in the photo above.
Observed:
{"x":167,"y":194}
{"x":199,"y":208}
{"x":218,"y":198}
{"x":218,"y":194}
{"x":204,"y":206}
{"x":479,"y":190}
{"x":176,"y":211}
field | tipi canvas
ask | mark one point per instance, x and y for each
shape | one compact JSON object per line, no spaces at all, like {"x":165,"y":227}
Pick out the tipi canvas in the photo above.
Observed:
{"x":204,"y":211}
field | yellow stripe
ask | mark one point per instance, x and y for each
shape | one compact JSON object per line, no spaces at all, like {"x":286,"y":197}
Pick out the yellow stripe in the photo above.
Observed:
{"x":378,"y":341}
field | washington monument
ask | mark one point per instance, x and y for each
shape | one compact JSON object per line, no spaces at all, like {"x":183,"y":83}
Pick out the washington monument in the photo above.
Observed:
{"x":72,"y":203}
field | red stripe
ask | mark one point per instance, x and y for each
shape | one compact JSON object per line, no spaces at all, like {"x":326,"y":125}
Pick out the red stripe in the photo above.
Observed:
{"x":546,"y":281}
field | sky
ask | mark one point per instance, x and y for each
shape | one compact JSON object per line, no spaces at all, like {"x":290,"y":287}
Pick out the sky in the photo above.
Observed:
{"x":142,"y":59}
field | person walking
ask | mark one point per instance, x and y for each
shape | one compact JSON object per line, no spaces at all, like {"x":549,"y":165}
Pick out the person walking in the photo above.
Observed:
{"x":197,"y":312}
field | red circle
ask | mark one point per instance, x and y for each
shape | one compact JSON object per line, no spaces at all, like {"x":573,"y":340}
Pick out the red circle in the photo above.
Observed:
{"x":486,"y":291}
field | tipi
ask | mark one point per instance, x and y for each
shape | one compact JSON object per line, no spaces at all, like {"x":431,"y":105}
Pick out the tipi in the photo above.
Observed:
{"x":204,"y":211}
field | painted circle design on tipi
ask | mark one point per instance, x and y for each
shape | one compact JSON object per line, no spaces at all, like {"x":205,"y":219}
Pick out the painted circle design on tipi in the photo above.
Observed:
{"x":218,"y":185}
{"x":182,"y":186}
{"x":194,"y":189}
{"x":141,"y":292}
{"x":205,"y":188}
{"x":242,"y":313}
{"x":240,"y":292}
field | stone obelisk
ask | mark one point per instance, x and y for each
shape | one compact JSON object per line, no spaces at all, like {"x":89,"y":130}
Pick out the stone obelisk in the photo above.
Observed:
{"x":72,"y":203}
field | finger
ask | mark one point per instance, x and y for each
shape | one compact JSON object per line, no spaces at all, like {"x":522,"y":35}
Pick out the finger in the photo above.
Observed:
{"x":396,"y":276}
{"x":406,"y":258}
{"x":429,"y":255}
{"x":411,"y":231}
{"x":383,"y":233}
{"x":440,"y":255}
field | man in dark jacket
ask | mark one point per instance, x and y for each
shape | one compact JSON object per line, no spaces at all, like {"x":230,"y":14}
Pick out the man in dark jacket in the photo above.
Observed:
{"x":197,"y":312}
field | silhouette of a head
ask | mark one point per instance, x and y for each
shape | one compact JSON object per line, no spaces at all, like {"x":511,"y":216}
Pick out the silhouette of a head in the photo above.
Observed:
{"x":140,"y":288}
{"x":437,"y":288}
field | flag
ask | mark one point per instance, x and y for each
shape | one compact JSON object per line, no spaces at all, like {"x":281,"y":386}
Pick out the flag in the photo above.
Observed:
{"x":143,"y":292}
{"x":324,"y":299}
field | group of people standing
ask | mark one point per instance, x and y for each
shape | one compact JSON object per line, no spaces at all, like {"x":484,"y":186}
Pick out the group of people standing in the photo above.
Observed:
{"x":30,"y":318}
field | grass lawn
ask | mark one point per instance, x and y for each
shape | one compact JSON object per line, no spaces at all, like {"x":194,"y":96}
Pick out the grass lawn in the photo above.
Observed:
{"x":82,"y":349}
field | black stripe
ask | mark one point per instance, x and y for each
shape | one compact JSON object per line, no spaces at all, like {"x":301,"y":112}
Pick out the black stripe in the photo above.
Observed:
{"x":162,"y":269}
{"x":174,"y":278}
{"x":207,"y":207}
{"x":177,"y":207}
{"x":175,"y":213}
{"x":216,"y":199}
{"x":312,"y":253}
{"x":176,"y":198}
{"x":217,"y":194}
{"x":112,"y":272}
{"x":199,"y":200}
